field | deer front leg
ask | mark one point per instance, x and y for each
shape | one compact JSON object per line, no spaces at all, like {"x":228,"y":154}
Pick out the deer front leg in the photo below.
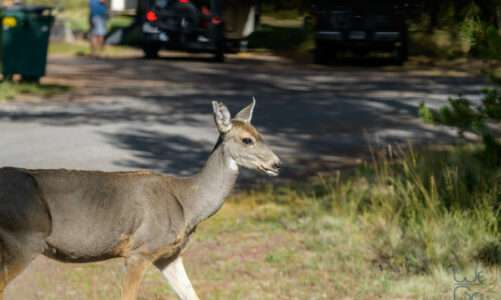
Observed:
{"x":133,"y":277}
{"x":176,"y":275}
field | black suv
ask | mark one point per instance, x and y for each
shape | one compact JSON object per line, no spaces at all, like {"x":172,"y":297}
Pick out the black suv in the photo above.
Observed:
{"x":191,"y":25}
{"x":360,"y":27}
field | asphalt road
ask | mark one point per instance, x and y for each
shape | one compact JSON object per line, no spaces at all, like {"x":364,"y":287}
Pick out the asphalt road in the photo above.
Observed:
{"x":128,"y":113}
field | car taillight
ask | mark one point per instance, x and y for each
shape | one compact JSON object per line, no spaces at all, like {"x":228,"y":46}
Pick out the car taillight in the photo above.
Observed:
{"x":184,"y":1}
{"x":151,"y":16}
{"x":205,"y":11}
{"x":216,"y":20}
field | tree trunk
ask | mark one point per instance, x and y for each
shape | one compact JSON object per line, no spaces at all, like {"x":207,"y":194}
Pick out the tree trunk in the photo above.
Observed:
{"x":498,"y":14}
{"x":433,"y":7}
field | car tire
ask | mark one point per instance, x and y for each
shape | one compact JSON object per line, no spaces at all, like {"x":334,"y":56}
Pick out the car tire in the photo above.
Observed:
{"x":220,"y":44}
{"x":219,"y":56}
{"x":399,"y":56}
{"x":151,"y":51}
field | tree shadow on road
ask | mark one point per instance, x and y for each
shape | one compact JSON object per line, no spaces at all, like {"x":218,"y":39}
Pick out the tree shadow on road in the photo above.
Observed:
{"x":312,"y":116}
{"x":178,"y":153}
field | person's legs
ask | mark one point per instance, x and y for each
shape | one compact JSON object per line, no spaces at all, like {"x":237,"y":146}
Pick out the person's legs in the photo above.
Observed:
{"x":98,"y":33}
{"x":93,"y":45}
{"x":100,"y":43}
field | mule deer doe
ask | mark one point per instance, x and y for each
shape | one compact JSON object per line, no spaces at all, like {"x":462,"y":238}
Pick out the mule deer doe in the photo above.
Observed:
{"x":85,"y":216}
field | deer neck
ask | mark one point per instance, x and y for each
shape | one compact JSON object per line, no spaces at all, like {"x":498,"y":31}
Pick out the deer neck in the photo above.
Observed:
{"x":208,"y":189}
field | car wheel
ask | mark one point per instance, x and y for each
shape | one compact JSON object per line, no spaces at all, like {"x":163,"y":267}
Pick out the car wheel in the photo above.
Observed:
{"x":400,"y":55}
{"x":220,"y":46}
{"x":219,"y":56}
{"x":151,"y":52}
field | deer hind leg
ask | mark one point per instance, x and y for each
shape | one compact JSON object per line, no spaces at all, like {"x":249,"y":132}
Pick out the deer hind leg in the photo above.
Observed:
{"x":176,"y":275}
{"x":133,"y":277}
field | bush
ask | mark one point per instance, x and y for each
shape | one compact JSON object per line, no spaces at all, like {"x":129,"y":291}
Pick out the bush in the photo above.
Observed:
{"x":465,"y":116}
{"x":487,"y":43}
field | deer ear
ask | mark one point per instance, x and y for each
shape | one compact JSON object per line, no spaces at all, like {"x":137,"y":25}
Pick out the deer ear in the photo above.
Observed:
{"x":246,"y":113}
{"x":222,"y":117}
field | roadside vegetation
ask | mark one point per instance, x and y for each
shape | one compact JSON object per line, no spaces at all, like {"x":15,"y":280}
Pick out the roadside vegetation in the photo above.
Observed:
{"x":438,"y":29}
{"x":82,"y":48}
{"x":494,"y":75}
{"x":9,"y":90}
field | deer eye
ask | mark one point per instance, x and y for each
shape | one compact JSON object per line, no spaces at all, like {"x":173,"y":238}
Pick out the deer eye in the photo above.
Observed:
{"x":247,"y":141}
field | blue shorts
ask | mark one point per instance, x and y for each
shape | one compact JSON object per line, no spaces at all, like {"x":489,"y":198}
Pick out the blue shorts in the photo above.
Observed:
{"x":98,"y":25}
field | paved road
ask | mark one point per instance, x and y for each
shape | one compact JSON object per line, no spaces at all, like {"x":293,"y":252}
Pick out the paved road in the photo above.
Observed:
{"x":127,"y":113}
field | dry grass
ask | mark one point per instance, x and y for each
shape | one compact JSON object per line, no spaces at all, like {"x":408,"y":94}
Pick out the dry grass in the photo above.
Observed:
{"x":233,"y":256}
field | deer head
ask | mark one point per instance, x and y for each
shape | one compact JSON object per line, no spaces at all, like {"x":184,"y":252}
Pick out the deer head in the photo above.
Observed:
{"x":242,"y":143}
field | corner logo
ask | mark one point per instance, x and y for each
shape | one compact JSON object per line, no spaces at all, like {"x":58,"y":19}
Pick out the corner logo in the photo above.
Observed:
{"x":472,"y":286}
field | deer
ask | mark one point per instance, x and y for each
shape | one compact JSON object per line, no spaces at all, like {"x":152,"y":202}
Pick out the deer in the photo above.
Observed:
{"x":144,"y":217}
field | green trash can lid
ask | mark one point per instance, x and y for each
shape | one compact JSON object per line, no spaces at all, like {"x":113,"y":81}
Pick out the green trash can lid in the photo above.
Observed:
{"x":36,"y":9}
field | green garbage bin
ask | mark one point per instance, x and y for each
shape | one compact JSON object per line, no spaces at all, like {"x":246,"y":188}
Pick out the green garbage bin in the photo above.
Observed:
{"x":25,"y":41}
{"x":1,"y":39}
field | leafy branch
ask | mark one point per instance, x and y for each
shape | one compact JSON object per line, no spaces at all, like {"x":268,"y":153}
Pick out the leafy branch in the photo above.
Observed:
{"x":465,"y":116}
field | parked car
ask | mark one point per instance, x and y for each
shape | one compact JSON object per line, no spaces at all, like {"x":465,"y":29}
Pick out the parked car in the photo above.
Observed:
{"x":359,"y":27}
{"x":195,"y":25}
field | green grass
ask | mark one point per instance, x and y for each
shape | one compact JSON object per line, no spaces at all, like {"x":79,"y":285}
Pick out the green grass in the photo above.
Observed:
{"x":10,"y":90}
{"x":494,"y":75}
{"x":282,"y":14}
{"x":286,"y":38}
{"x":83,"y":48}
{"x":120,"y":21}
{"x":279,"y":38}
{"x":69,"y":48}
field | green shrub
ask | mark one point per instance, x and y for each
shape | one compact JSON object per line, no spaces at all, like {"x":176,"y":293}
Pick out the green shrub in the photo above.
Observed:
{"x":462,"y":114}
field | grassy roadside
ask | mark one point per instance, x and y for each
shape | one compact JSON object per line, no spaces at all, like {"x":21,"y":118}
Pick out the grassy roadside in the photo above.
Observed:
{"x":10,"y":90}
{"x":82,"y":48}
{"x":393,"y":230}
{"x":494,"y":74}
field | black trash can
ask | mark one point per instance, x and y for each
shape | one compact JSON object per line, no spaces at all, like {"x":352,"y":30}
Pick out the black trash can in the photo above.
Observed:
{"x":25,"y":41}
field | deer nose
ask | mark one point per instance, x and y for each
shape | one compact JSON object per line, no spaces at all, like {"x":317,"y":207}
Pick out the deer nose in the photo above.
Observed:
{"x":276,"y":165}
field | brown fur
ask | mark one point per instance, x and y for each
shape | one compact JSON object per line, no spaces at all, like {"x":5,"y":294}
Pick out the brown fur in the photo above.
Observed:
{"x":133,"y":277}
{"x":244,"y":129}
